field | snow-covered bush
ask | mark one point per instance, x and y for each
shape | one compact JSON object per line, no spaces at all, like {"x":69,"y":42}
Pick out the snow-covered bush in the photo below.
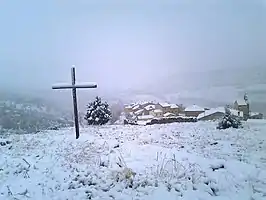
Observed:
{"x":229,"y":120}
{"x":98,"y":112}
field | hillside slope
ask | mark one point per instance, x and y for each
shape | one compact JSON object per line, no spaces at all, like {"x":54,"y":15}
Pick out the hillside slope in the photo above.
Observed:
{"x":23,"y":113}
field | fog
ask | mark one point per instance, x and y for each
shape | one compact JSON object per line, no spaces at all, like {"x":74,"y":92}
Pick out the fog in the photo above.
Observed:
{"x":129,"y":45}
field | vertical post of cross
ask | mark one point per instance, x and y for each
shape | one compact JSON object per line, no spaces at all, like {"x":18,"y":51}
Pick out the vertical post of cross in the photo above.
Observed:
{"x":75,"y":104}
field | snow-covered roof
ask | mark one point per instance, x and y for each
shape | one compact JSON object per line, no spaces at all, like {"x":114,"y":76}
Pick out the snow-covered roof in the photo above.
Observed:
{"x":145,"y":102}
{"x":254,"y":114}
{"x":150,"y":107}
{"x":164,"y":104}
{"x":145,"y":117}
{"x":211,"y":112}
{"x":139,"y":112}
{"x":174,"y":106}
{"x":157,"y":111}
{"x":169,"y":114}
{"x":194,"y":108}
{"x":128,"y":107}
{"x":241,"y":102}
{"x":136,"y":107}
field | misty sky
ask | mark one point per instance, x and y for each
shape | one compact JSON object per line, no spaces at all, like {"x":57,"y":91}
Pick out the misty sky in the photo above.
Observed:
{"x":126,"y":45}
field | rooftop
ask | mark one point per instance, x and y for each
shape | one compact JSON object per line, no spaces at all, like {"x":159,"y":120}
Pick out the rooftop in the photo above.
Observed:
{"x":136,"y":107}
{"x":139,"y":111}
{"x":145,"y":117}
{"x":169,"y":114}
{"x":150,"y":107}
{"x":241,"y":102}
{"x":194,"y":108}
{"x":164,"y":104}
{"x":174,"y":106}
{"x":158,"y":111}
{"x":211,"y":111}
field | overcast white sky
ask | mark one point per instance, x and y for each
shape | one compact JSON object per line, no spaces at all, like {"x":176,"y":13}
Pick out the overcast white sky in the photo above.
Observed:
{"x":126,"y":45}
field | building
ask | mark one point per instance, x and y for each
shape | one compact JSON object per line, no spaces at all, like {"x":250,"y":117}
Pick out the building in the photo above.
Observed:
{"x":174,"y":109}
{"x":139,"y":112}
{"x":128,"y":109}
{"x":237,"y":113}
{"x":145,"y":117}
{"x":218,"y":113}
{"x":242,"y":105}
{"x":169,"y":115}
{"x":136,"y":108}
{"x":164,"y":107}
{"x":212,"y":114}
{"x":148,"y":109}
{"x":157,"y":113}
{"x":194,"y":111}
{"x":255,"y":115}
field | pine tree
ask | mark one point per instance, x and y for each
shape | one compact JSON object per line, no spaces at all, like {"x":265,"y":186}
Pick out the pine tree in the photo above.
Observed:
{"x":98,"y":112}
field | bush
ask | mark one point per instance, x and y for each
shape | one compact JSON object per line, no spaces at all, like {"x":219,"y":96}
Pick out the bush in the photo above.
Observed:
{"x":98,"y":112}
{"x":229,"y":121}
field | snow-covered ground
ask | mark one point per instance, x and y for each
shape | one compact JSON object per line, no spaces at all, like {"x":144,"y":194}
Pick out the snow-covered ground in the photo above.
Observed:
{"x":187,"y":161}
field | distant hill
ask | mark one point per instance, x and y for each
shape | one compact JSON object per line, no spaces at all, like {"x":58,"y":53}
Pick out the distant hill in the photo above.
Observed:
{"x":27,"y":114}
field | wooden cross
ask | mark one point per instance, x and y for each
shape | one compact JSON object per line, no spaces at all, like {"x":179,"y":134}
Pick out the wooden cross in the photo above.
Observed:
{"x":74,"y":87}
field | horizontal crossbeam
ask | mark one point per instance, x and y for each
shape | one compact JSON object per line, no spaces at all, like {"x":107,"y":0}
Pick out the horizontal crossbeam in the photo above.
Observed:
{"x":68,"y":86}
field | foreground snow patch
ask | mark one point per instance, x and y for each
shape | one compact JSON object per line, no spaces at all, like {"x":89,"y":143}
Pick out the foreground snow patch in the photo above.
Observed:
{"x":173,"y":161}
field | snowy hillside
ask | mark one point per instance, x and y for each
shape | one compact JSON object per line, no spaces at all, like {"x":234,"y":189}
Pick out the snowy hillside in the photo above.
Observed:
{"x":176,"y":161}
{"x":31,"y":115}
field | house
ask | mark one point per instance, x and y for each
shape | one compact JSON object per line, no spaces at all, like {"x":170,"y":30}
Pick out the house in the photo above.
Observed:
{"x":136,"y":108}
{"x":194,"y":111}
{"x":148,"y":109}
{"x":237,"y":113}
{"x":212,"y":114}
{"x":128,"y":109}
{"x":157,"y":113}
{"x":169,"y":115}
{"x":255,"y":115}
{"x":139,"y":112}
{"x":242,"y":105}
{"x":174,"y":109}
{"x":165,"y":107}
{"x":218,"y":113}
{"x":144,"y":104}
{"x":145,"y":117}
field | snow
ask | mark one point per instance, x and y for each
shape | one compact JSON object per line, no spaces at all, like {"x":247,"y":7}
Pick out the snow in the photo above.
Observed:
{"x":173,"y":106}
{"x":241,"y":102}
{"x":139,"y":112}
{"x":194,"y":108}
{"x":128,"y":107}
{"x":157,"y":111}
{"x":252,"y":114}
{"x":165,"y":105}
{"x":169,"y":114}
{"x":136,"y":107}
{"x":77,"y":85}
{"x":211,"y":112}
{"x":175,"y":161}
{"x":145,"y":117}
{"x":150,"y":107}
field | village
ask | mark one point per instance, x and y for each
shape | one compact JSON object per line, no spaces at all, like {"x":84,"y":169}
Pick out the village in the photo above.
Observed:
{"x":143,"y":113}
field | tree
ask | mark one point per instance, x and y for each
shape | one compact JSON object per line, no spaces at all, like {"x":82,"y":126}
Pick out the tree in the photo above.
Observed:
{"x":229,"y":120}
{"x":98,"y":112}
